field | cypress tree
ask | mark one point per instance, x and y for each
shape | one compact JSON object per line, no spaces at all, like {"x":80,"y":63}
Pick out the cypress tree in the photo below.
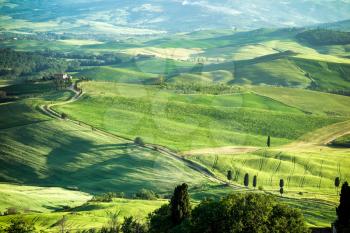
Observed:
{"x":337,"y":183}
{"x":246,"y":180}
{"x":343,"y":213}
{"x":229,"y":175}
{"x":281,"y":191}
{"x":268,"y":141}
{"x":180,"y":206}
{"x":255,"y":181}
{"x":281,"y":183}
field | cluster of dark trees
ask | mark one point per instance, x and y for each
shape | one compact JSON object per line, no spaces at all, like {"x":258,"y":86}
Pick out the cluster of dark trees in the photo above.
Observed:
{"x":234,"y":213}
{"x":86,"y":59}
{"x":324,"y":37}
{"x":142,"y":194}
{"x":35,"y":65}
{"x":15,"y":64}
{"x":197,"y":87}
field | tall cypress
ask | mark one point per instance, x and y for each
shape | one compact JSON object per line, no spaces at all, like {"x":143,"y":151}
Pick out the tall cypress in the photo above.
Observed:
{"x":343,"y":213}
{"x":180,"y":206}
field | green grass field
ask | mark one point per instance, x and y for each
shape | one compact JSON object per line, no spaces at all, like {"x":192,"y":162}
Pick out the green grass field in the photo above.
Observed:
{"x":27,"y":199}
{"x":106,"y":73}
{"x":89,"y":215}
{"x":39,"y":150}
{"x":185,"y":122}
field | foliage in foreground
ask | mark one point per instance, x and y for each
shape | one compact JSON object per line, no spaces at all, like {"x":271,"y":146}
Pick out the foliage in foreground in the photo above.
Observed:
{"x":343,"y":210}
{"x":234,"y":213}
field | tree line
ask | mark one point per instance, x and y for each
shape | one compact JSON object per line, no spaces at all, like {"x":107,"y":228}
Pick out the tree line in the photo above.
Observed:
{"x":15,"y":64}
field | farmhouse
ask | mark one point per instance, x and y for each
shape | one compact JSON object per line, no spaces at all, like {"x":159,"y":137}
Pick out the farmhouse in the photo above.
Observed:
{"x":63,"y":77}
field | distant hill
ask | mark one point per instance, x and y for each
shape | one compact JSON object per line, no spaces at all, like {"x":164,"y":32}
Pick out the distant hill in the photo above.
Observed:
{"x":156,"y":16}
{"x":339,"y":26}
{"x":324,"y":37}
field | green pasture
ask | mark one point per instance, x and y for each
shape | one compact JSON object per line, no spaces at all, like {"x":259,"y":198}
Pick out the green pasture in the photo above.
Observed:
{"x":185,"y":122}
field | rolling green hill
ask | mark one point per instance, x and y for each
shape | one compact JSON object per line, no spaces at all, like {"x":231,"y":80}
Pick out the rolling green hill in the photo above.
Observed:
{"x":183,"y":122}
{"x":106,"y":73}
{"x":38,"y":150}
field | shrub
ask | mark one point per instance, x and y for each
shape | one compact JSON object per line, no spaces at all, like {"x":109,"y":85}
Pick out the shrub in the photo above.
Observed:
{"x":11,"y":211}
{"x":146,"y":194}
{"x":139,"y":141}
{"x":105,"y":197}
{"x":132,"y":226}
{"x":64,"y":115}
{"x":19,"y":225}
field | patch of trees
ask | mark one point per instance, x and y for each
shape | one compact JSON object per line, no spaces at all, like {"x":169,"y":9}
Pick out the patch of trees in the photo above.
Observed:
{"x":234,"y":213}
{"x":142,"y":194}
{"x":324,"y":37}
{"x":14,"y":64}
{"x":196,"y":87}
{"x":87,"y":59}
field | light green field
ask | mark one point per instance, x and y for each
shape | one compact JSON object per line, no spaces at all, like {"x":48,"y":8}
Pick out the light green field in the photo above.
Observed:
{"x":185,"y":122}
{"x":308,"y":101}
{"x":38,"y":199}
{"x":90,"y":215}
{"x":219,"y":76}
{"x":107,"y":73}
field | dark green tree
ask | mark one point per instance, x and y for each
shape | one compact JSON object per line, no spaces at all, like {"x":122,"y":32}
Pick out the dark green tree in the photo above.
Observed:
{"x":281,"y":186}
{"x":286,"y":219}
{"x":160,"y":220}
{"x":241,"y":213}
{"x":246,"y":180}
{"x":255,"y":181}
{"x":139,"y":141}
{"x":268,"y":141}
{"x":337,"y":183}
{"x":343,"y":210}
{"x":180,"y":207}
{"x":19,"y":225}
{"x":130,"y":225}
{"x":229,"y":175}
{"x":281,"y":183}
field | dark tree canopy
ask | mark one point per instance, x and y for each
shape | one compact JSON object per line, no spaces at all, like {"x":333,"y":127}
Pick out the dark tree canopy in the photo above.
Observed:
{"x":281,"y":191}
{"x":246,"y":180}
{"x":241,"y":213}
{"x":229,"y":175}
{"x":343,"y":210}
{"x":19,"y":225}
{"x":130,"y":225}
{"x":337,"y":182}
{"x":255,"y":181}
{"x":180,"y":206}
{"x":281,"y":183}
{"x":236,"y":213}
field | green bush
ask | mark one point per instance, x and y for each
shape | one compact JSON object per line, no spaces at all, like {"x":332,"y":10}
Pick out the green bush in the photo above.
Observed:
{"x":146,"y":194}
{"x":19,"y":225}
{"x":237,"y":213}
{"x":139,"y":141}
